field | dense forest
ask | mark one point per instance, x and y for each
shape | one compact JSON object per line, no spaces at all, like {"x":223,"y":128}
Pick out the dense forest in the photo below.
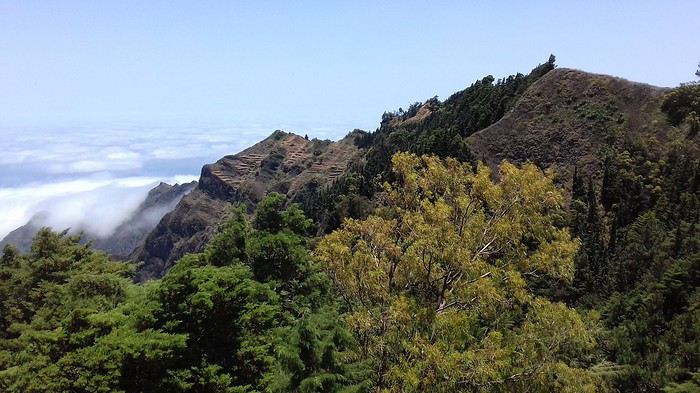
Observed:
{"x":420,"y":269}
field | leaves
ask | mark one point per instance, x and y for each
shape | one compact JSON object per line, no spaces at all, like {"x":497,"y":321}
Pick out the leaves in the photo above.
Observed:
{"x":453,"y":248}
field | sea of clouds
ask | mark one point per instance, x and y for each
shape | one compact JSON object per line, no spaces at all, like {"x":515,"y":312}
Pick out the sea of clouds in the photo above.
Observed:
{"x":95,"y":177}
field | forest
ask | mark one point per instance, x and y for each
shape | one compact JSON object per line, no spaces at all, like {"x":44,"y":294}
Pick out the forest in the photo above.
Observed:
{"x":421,"y":269}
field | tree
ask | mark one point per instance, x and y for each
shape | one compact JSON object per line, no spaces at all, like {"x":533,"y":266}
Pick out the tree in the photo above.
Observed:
{"x":313,"y":358}
{"x":691,"y":386}
{"x":271,"y":216}
{"x":436,"y":283}
{"x":682,"y":105}
{"x":72,"y":320}
{"x":442,"y":132}
{"x":219,"y":321}
{"x":227,"y":317}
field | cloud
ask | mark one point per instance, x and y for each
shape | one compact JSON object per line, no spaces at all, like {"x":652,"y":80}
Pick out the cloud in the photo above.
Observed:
{"x":88,"y":150}
{"x":95,"y":205}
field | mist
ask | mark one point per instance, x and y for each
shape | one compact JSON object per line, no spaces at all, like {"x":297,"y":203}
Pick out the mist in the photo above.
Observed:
{"x":95,"y":206}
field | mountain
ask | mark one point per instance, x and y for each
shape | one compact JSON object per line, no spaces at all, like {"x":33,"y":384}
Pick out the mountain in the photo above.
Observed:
{"x":124,"y":239}
{"x":504,"y":283}
{"x":562,"y":119}
{"x":159,"y":201}
{"x":22,"y":237}
{"x":567,"y":117}
{"x":283,"y":162}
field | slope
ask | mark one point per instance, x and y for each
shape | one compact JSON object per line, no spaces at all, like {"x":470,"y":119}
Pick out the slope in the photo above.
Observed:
{"x":126,"y":237}
{"x":283,"y":162}
{"x":567,"y":117}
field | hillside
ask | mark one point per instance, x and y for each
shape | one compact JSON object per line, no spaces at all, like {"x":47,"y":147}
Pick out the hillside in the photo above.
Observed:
{"x":567,"y":117}
{"x":450,"y":277}
{"x":159,"y":201}
{"x":557,"y":118}
{"x":283,"y":162}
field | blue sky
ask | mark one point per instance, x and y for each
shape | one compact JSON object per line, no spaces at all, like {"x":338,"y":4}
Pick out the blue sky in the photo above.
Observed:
{"x":101,"y":99}
{"x":313,"y":64}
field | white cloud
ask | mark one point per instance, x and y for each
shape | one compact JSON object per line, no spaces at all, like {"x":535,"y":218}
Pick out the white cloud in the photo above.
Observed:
{"x":83,"y":150}
{"x":96,"y":205}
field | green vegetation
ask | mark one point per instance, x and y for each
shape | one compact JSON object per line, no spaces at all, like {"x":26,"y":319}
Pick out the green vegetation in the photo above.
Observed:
{"x":436,"y":283}
{"x":443,"y":134}
{"x":683,"y":107}
{"x":639,"y":263}
{"x":251,"y":313}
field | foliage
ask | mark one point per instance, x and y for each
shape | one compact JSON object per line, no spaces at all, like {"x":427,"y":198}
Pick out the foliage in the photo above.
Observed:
{"x":219,"y":321}
{"x":442,"y":132}
{"x":638,"y":260}
{"x":73,"y":321}
{"x":437,"y":287}
{"x":682,"y":105}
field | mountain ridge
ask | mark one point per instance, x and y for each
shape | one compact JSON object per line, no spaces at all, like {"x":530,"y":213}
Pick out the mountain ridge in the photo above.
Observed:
{"x":283,"y":162}
{"x":578,"y":114}
{"x":126,"y":236}
{"x":560,"y":119}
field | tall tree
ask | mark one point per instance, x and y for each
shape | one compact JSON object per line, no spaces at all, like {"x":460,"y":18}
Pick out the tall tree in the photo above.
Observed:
{"x":437,"y":282}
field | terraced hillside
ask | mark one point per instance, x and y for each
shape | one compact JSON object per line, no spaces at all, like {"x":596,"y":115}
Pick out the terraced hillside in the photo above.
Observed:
{"x":283,"y":162}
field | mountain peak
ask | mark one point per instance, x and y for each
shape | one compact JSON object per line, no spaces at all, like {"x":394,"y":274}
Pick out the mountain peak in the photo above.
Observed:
{"x":283,"y":162}
{"x":567,"y":116}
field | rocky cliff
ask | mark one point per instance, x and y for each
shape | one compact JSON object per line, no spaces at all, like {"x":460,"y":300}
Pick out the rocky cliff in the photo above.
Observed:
{"x":283,"y":162}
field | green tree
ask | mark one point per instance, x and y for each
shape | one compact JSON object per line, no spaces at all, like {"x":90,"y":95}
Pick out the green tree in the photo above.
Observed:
{"x":72,"y":321}
{"x":220,"y":321}
{"x":313,"y":357}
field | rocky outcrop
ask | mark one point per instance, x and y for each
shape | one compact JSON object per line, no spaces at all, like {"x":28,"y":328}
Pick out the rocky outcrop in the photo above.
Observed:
{"x":283,"y":162}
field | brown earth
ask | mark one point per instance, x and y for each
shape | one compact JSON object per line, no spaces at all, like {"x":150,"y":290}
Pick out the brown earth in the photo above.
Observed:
{"x":567,"y":117}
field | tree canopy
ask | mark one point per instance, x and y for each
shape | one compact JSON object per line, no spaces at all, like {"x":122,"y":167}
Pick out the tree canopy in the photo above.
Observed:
{"x":437,"y":283}
{"x":219,"y":321}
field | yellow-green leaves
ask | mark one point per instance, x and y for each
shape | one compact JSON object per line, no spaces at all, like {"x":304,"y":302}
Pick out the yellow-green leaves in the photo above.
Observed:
{"x":451,"y":232}
{"x":437,"y":281}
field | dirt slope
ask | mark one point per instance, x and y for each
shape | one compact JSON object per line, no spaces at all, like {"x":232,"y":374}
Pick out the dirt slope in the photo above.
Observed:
{"x":564,"y":120}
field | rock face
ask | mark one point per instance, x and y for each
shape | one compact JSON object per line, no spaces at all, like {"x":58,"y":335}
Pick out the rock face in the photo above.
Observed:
{"x":127,"y":236}
{"x":283,"y":162}
{"x":160,"y":200}
{"x":564,"y":120}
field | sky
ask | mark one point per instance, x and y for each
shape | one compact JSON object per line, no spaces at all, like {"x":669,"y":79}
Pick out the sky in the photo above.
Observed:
{"x":127,"y":92}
